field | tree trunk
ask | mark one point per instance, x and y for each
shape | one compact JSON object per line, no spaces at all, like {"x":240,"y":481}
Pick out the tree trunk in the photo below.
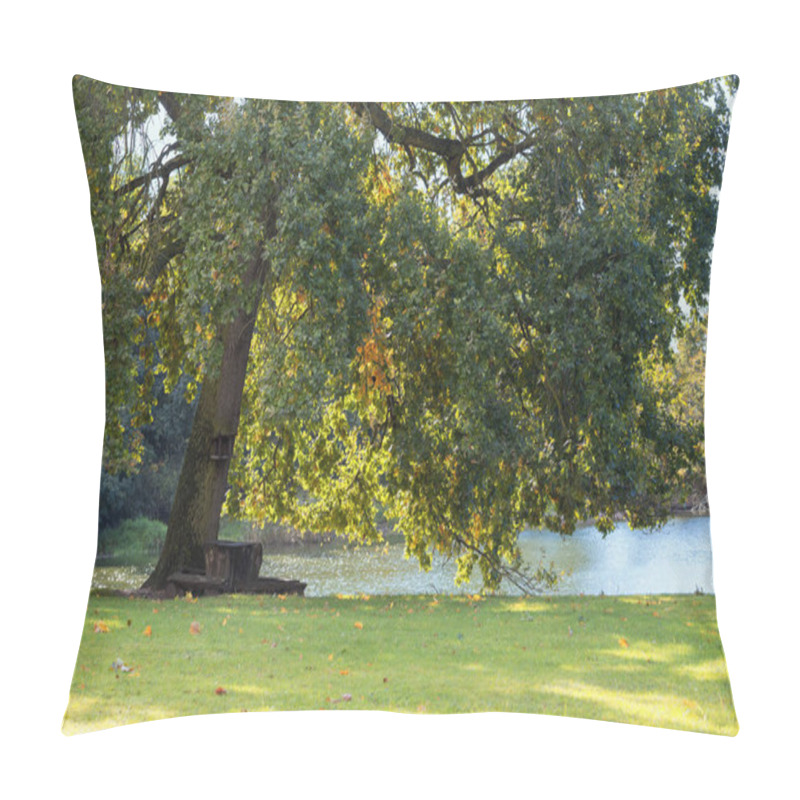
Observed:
{"x":203,"y":482}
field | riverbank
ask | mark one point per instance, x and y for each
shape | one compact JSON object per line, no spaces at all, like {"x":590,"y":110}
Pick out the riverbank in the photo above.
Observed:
{"x":675,"y":559}
{"x":648,"y":660}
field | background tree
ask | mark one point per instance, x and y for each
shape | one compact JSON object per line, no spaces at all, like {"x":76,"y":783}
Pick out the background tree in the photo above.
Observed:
{"x":148,"y":491}
{"x":450,"y":323}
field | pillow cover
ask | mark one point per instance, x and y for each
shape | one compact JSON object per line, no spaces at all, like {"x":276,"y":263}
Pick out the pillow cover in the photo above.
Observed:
{"x":401,"y":397}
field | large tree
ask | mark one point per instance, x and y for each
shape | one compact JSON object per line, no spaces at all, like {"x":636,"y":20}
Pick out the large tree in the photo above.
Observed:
{"x":446,"y":313}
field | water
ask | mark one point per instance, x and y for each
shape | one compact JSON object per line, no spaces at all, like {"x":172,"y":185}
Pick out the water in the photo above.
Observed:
{"x":675,"y":559}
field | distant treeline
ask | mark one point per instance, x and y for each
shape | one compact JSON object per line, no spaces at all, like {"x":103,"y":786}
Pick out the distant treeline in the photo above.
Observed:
{"x":149,"y":490}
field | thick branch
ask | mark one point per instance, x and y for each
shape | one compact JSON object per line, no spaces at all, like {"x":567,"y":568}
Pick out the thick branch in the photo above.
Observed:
{"x":477,"y":178}
{"x":157,"y":171}
{"x":404,"y":135}
{"x":165,"y":254}
{"x":452,"y":150}
{"x":171,"y":103}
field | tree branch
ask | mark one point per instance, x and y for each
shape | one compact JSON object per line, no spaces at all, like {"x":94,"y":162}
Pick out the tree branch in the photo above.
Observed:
{"x":171,"y":104}
{"x":452,"y":150}
{"x":157,"y":171}
{"x":165,"y":254}
{"x":396,"y":133}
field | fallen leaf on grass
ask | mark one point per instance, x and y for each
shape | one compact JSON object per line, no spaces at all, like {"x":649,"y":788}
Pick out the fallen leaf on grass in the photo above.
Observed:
{"x":344,"y":671}
{"x":100,"y":627}
{"x":359,"y":625}
{"x":220,"y":690}
{"x":148,"y":631}
{"x":194,"y":628}
{"x":623,"y":642}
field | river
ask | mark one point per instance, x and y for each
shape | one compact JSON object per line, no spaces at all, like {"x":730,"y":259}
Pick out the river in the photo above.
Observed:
{"x":674,"y":559}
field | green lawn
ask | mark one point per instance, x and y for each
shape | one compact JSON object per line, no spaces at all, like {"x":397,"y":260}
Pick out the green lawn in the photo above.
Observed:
{"x":645,"y":660}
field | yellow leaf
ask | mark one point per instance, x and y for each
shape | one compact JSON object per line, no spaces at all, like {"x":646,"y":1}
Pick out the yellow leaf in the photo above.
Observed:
{"x":359,"y":625}
{"x":100,"y":627}
{"x":623,"y":643}
{"x":148,"y":631}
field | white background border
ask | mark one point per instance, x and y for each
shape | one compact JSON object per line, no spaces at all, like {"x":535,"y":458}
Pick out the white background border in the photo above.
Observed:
{"x":52,"y":386}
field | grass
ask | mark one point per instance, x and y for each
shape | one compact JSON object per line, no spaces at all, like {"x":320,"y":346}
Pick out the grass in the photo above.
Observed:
{"x":643,"y":660}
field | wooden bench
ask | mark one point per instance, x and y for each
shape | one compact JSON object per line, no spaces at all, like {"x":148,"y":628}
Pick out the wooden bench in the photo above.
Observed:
{"x":232,"y":568}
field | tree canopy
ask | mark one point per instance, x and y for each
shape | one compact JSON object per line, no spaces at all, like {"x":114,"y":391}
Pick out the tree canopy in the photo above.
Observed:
{"x":452,"y":315}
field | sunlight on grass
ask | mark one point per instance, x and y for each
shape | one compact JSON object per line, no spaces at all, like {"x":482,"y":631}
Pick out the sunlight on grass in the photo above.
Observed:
{"x":527,"y":606}
{"x":715,"y":670}
{"x":644,"y":708}
{"x":82,"y":704}
{"x":637,"y":650}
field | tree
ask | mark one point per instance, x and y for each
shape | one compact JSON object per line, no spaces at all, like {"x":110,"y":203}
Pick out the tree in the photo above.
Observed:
{"x":443,"y":311}
{"x":678,"y":378}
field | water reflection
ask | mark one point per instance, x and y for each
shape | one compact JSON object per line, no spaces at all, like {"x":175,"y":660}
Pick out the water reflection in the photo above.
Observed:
{"x":675,"y":559}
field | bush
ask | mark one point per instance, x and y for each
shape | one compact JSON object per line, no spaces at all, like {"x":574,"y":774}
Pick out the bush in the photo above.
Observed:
{"x":133,"y":537}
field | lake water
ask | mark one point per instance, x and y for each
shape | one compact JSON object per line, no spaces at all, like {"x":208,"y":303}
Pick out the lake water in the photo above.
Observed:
{"x":675,"y":559}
